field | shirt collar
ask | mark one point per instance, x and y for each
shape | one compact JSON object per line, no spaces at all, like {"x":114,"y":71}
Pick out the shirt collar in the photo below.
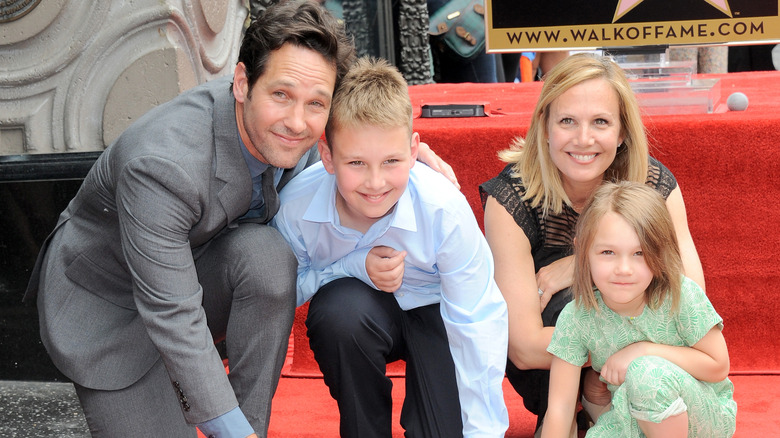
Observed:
{"x":256,"y":167}
{"x":323,"y":207}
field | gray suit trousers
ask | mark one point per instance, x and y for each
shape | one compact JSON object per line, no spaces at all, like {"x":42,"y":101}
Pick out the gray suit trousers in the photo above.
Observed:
{"x":248,"y":275}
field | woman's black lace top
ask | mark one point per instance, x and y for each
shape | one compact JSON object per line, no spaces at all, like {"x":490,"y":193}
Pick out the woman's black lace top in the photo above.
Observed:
{"x":551,"y":237}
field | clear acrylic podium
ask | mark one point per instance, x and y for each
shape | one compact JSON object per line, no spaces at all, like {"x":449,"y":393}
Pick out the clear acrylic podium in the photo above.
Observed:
{"x":668,"y":87}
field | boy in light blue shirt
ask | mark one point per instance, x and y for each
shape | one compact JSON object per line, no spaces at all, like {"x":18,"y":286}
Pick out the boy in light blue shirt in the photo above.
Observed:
{"x":396,"y":267}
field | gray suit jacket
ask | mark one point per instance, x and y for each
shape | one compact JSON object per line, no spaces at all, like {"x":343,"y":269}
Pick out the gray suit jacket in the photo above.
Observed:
{"x":117,"y":280}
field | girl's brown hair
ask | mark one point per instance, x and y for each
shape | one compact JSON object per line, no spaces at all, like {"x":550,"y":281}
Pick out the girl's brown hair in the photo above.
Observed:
{"x":645,"y":211}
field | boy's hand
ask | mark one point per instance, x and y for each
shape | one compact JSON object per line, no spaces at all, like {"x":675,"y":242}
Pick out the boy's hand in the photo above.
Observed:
{"x":385,"y":267}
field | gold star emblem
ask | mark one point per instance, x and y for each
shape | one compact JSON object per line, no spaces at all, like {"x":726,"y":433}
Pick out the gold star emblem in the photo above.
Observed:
{"x":624,"y":6}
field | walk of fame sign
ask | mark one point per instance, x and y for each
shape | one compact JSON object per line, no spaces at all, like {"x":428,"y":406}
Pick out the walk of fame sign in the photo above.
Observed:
{"x":515,"y":26}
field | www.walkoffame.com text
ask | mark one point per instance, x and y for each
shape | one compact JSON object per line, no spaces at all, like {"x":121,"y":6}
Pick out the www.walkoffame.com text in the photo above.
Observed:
{"x":617,"y":33}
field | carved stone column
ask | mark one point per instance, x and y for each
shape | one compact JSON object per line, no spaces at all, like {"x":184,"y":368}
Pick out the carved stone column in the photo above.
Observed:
{"x":75,"y":73}
{"x":406,"y":27}
{"x":413,"y":36}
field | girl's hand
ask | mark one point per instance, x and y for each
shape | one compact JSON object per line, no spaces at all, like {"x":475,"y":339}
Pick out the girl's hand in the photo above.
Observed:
{"x":554,"y":278}
{"x":614,"y":370}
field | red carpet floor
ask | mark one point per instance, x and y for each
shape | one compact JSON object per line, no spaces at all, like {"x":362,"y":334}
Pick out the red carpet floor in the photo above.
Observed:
{"x":302,"y":408}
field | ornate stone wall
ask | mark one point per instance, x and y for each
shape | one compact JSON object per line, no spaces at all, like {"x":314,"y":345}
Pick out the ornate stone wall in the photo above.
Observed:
{"x":400,"y":27}
{"x":75,"y":73}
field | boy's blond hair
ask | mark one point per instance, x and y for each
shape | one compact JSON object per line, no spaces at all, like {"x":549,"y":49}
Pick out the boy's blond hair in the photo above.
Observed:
{"x":531,"y":156}
{"x":374,"y":93}
{"x":645,"y":211}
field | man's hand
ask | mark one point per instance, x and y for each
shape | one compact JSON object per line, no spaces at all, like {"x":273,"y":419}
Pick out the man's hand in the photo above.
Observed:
{"x":426,"y":155}
{"x":385,"y":267}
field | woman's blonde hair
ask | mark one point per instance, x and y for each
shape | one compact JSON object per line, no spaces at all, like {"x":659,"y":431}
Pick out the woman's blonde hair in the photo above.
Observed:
{"x":374,"y":93}
{"x":645,"y":211}
{"x":531,"y":156}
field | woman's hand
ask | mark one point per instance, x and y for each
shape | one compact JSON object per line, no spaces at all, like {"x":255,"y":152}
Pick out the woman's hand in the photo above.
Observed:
{"x":594,"y":390}
{"x":426,"y":155}
{"x":554,"y":278}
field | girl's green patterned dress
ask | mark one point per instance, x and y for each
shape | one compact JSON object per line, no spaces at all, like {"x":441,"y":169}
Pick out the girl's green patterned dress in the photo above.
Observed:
{"x":654,"y":388}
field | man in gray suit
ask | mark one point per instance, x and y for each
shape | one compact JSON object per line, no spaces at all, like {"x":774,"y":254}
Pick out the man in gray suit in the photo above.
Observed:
{"x":164,"y":251}
{"x":151,"y":263}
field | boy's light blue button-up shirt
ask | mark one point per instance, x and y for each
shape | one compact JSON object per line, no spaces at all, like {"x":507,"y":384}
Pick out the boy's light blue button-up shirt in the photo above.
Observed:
{"x":448,"y":262}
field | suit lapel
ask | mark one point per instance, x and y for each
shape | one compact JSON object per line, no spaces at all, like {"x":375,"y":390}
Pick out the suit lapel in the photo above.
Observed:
{"x":229,"y":165}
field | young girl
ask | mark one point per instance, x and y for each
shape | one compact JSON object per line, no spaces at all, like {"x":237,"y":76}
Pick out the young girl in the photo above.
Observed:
{"x":650,"y":331}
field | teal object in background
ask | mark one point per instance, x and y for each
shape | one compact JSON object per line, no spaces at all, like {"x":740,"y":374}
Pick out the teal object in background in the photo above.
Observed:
{"x":459,"y":25}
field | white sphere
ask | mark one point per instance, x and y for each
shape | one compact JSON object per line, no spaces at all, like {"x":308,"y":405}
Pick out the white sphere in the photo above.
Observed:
{"x":737,"y":101}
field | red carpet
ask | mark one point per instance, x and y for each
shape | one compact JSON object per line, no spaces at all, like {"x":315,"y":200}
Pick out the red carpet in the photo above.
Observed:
{"x":303,"y":409}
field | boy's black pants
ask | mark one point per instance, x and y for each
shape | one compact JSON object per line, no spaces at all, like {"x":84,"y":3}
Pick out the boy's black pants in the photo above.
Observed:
{"x":354,"y":331}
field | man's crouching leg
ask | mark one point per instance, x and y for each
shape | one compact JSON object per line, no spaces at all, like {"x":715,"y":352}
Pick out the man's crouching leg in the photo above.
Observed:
{"x":248,"y":275}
